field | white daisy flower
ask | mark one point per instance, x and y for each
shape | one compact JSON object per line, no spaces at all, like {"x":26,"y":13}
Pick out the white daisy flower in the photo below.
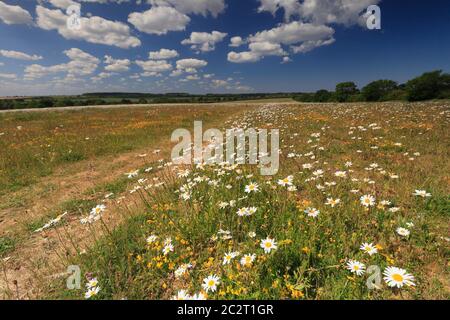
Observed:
{"x":167,"y":249}
{"x":286,"y":181}
{"x":312,"y":212}
{"x":268,"y":245}
{"x":396,"y":277}
{"x":210,"y":283}
{"x":367,"y":200}
{"x":422,"y":193}
{"x":403,"y":232}
{"x":91,"y":292}
{"x":229,"y":256}
{"x":181,"y":295}
{"x":151,"y":239}
{"x":252,"y":187}
{"x":368,"y":248}
{"x":356,"y":267}
{"x":247,"y":260}
{"x":98,"y":209}
{"x":340,"y":174}
{"x":242,"y":212}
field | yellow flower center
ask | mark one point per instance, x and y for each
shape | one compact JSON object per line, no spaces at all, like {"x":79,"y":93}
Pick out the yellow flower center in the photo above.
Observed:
{"x":268,"y":245}
{"x":397,"y":277}
{"x":210,"y":283}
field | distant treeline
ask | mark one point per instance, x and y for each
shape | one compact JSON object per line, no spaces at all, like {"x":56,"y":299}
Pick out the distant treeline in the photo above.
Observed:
{"x":430,"y":85}
{"x":121,"y":98}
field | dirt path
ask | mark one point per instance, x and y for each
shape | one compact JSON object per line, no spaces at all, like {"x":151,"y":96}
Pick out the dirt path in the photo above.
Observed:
{"x":68,"y":183}
{"x":27,"y":269}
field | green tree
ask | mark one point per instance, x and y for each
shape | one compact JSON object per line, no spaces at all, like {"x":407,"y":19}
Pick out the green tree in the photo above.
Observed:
{"x":345,"y":90}
{"x":46,"y":103}
{"x":427,"y":86}
{"x":378,"y":90}
{"x":322,"y":96}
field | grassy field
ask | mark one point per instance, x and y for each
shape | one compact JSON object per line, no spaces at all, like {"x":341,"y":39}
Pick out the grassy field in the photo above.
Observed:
{"x":359,"y":185}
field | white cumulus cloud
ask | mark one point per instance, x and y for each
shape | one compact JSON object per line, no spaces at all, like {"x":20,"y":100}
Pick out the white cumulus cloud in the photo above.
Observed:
{"x":81,"y":64}
{"x":11,"y":14}
{"x":236,"y":42}
{"x":191,"y":65}
{"x":163,"y":54}
{"x":243,"y":57}
{"x":204,"y":41}
{"x":346,"y":12}
{"x":19,"y":55}
{"x":302,"y":37}
{"x":93,"y":29}
{"x":203,"y":7}
{"x":117,"y":65}
{"x":159,"y":20}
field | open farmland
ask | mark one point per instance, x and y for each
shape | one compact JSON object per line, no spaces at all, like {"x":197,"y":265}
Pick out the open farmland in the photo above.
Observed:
{"x":359,"y":185}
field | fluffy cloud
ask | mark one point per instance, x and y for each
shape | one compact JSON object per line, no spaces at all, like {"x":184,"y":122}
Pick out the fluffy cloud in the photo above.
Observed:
{"x":310,"y":45}
{"x":81,"y":64}
{"x":93,"y":29}
{"x":117,"y":65}
{"x":159,"y":20}
{"x":62,"y":4}
{"x":203,"y":7}
{"x":19,"y":55}
{"x":266,"y":48}
{"x":292,"y":33}
{"x":155,"y":66}
{"x":10,"y":14}
{"x":243,"y":57}
{"x":335,"y":11}
{"x":312,"y":29}
{"x":345,"y":12}
{"x":236,"y":42}
{"x":286,"y":60}
{"x":204,"y":41}
{"x":190,"y":65}
{"x":301,"y":36}
{"x":163,"y":54}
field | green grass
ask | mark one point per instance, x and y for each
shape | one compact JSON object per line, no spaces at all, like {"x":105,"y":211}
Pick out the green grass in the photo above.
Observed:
{"x":48,"y":141}
{"x":7,"y":244}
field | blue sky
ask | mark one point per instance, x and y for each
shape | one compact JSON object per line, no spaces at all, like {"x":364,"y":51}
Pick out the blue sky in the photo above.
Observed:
{"x":284,"y":45}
